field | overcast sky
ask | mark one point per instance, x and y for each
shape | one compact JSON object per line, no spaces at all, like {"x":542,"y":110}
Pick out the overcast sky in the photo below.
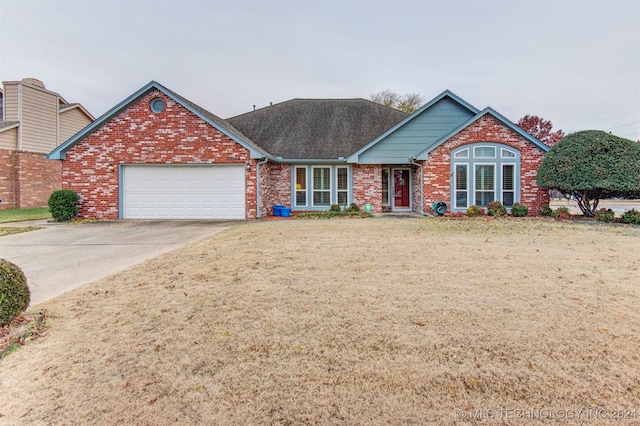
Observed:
{"x":576,"y":63}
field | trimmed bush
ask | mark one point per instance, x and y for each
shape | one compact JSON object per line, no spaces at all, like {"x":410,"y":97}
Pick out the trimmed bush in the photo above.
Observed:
{"x":14,"y":292}
{"x":605,"y":215}
{"x":353,"y":207}
{"x":496,"y":209}
{"x":632,"y":216}
{"x":592,"y":165}
{"x":546,"y":210}
{"x":63,"y":204}
{"x":519,"y":210}
{"x":562,"y":213}
{"x":473,"y":211}
{"x":334,"y":208}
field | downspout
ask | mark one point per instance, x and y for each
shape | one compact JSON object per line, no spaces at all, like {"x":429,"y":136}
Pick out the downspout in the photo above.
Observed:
{"x":258,"y":198}
{"x":422,"y":212}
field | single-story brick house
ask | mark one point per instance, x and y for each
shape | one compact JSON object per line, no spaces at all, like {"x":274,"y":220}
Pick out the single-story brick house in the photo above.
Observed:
{"x":158,"y":155}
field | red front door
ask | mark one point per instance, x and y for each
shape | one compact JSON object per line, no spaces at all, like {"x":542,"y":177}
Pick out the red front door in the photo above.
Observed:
{"x":401,"y":189}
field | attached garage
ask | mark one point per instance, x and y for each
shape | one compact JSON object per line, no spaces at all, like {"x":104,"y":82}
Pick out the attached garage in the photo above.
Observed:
{"x":183,"y":191}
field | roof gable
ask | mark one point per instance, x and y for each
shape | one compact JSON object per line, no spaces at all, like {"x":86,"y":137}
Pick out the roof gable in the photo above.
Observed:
{"x":316,"y":129}
{"x":424,"y":126}
{"x":220,"y":124}
{"x":68,"y":107}
{"x":424,"y":154}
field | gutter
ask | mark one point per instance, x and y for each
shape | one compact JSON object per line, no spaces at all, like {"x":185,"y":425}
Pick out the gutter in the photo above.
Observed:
{"x":308,"y":161}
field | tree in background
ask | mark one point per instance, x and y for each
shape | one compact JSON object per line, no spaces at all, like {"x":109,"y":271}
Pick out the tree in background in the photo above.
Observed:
{"x":592,"y":165}
{"x":540,"y":129}
{"x":407,"y":103}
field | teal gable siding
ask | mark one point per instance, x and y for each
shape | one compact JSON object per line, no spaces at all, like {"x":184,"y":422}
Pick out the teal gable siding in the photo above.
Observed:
{"x":418,"y":134}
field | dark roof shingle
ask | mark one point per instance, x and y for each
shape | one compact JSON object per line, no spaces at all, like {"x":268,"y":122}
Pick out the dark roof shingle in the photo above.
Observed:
{"x":316,"y":128}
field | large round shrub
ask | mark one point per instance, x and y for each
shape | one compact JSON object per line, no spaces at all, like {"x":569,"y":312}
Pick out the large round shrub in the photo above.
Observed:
{"x":63,"y":204}
{"x":591,"y":165}
{"x":14,"y":292}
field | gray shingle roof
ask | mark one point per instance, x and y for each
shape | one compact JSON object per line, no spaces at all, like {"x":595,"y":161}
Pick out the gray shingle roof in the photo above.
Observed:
{"x":219,"y":121}
{"x":316,"y":128}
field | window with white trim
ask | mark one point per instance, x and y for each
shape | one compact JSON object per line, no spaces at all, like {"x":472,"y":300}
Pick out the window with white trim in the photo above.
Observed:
{"x":508,"y":184}
{"x":463,"y":153}
{"x":317,"y":187}
{"x":301,"y":186}
{"x":385,"y":187}
{"x":342,"y":185}
{"x":321,"y":186}
{"x":484,"y":172}
{"x":485,"y":184}
{"x":461,"y":191}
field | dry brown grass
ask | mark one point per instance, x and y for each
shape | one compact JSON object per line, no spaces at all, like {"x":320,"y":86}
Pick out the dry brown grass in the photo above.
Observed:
{"x":378,"y":321}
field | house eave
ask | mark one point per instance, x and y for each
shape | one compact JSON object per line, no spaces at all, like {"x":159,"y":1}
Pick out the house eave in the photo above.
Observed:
{"x":424,"y":155}
{"x":353,"y":158}
{"x":59,"y":152}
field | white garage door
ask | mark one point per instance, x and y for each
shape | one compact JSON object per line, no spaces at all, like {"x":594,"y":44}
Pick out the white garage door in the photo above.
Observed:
{"x":183,"y":192}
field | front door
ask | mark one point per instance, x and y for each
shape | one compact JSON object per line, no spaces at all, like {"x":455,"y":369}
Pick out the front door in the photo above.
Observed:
{"x":401,"y":189}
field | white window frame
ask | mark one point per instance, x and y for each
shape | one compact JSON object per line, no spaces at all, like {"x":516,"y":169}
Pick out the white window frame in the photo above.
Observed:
{"x":295,"y":186}
{"x":455,"y":185}
{"x":507,"y":153}
{"x":345,"y":191}
{"x":324,"y":190}
{"x":389,"y":191}
{"x":459,"y":154}
{"x":495,"y":179}
{"x":478,"y":147}
{"x":502,"y":158}
{"x":502,"y":190}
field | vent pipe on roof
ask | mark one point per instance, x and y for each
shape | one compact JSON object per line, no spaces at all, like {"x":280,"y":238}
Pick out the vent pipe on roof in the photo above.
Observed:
{"x":254,"y":107}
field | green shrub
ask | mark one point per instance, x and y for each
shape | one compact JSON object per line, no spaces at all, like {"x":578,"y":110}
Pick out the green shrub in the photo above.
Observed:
{"x":63,"y":204}
{"x":632,"y":216}
{"x":474,"y":211}
{"x":353,"y":207}
{"x":14,"y":293}
{"x":546,"y":211}
{"x":496,"y":209}
{"x":519,"y":210}
{"x":591,"y":165}
{"x":562,"y":212}
{"x":334,"y":208}
{"x":605,"y":215}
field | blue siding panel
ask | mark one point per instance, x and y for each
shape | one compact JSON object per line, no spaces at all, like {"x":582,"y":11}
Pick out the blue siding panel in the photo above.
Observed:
{"x":418,"y":134}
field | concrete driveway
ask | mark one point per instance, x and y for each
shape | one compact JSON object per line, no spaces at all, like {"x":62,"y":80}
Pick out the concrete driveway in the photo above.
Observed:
{"x":63,"y":256}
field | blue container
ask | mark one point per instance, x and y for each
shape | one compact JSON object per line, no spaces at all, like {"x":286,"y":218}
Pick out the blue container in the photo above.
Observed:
{"x":285,"y":212}
{"x":277,"y":209}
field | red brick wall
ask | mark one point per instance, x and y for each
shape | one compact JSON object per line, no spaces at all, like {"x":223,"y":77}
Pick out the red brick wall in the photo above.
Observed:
{"x":279,"y":189}
{"x":8,"y":184}
{"x":137,"y":135}
{"x":27,"y":179}
{"x":37,"y":179}
{"x":487,"y":129}
{"x":367,"y":186}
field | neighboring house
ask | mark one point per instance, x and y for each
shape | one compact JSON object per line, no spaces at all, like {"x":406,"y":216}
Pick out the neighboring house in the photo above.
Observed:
{"x":157,"y":155}
{"x":33,"y":121}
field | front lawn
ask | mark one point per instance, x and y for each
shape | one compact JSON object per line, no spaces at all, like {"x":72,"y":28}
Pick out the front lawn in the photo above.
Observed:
{"x":379,"y":321}
{"x":20,"y":215}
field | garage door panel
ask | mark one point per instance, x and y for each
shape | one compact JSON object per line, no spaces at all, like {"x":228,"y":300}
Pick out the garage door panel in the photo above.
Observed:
{"x":183,"y":192}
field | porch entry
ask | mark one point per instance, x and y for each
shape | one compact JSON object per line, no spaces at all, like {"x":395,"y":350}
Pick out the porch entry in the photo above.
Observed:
{"x":396,"y":189}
